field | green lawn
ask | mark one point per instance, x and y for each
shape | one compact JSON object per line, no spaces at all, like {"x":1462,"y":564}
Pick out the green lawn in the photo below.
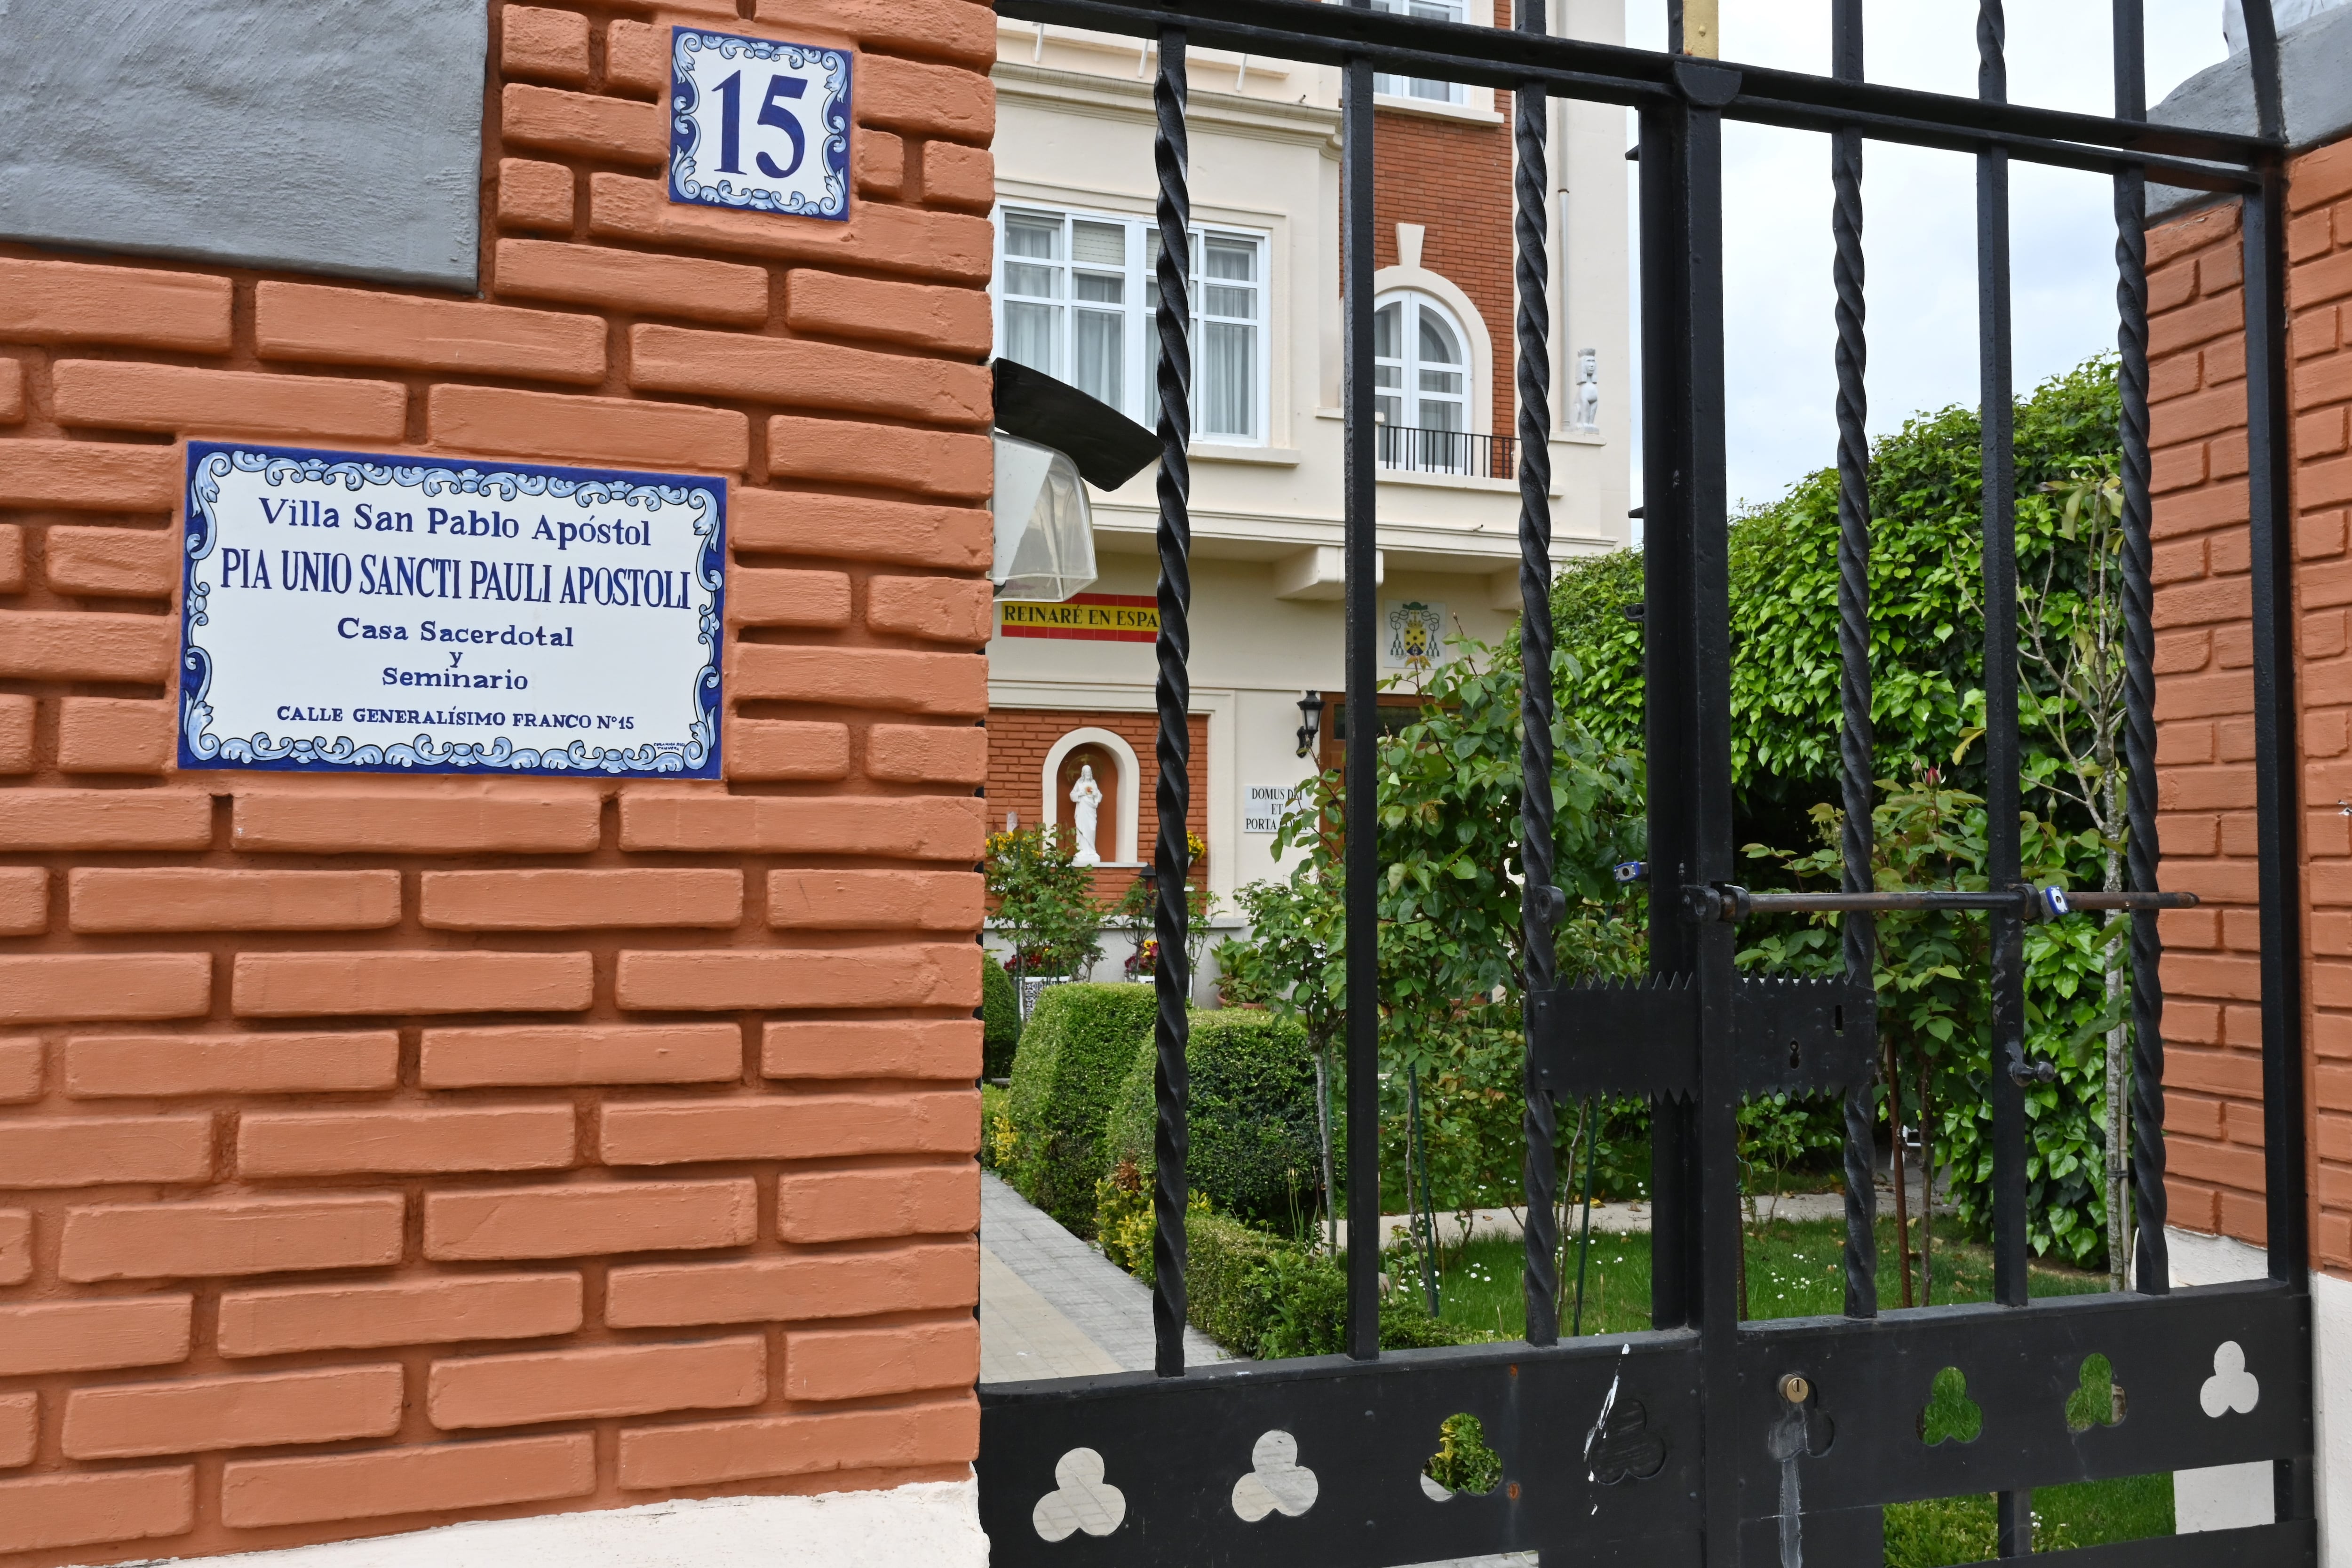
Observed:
{"x":1797,"y":1270}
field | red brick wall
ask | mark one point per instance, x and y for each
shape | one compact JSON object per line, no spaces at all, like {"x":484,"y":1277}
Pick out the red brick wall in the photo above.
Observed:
{"x":1455,"y":179}
{"x":2204,"y":701}
{"x":2319,"y":290}
{"x":1019,"y":740}
{"x":343,"y":1119}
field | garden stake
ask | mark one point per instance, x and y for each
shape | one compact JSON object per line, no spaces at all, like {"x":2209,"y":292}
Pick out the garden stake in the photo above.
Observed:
{"x":1894,"y":1137}
{"x":1560,"y":1221}
{"x":1323,"y":1127}
{"x":1926,"y":1186}
{"x":1584,"y":1243}
{"x":1744,"y":1313}
{"x":1416,"y":1154}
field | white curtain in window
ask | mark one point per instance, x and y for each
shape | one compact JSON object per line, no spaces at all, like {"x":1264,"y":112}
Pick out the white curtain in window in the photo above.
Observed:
{"x":1077,"y":300}
{"x":1032,"y":326}
{"x":1420,"y":373}
{"x":1098,"y":315}
{"x":1228,"y":314}
{"x":1413,"y":86}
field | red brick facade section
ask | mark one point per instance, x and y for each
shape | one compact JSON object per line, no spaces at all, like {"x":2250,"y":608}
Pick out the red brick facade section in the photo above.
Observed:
{"x":2204,"y":701}
{"x":334,"y":1110}
{"x":1019,"y":740}
{"x":1454,"y":179}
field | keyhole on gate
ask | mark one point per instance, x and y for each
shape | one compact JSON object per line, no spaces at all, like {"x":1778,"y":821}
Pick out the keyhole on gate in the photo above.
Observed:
{"x":2099,"y":1401}
{"x":1837,"y":1019}
{"x":1793,"y":1055}
{"x":1950,"y":1415}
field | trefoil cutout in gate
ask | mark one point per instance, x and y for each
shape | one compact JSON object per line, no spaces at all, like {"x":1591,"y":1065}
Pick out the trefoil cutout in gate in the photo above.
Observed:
{"x":1082,"y":1500}
{"x":2098,"y":1400}
{"x":1463,"y":1466}
{"x":2231,"y":1386}
{"x":1276,"y":1482}
{"x":1950,"y":1415}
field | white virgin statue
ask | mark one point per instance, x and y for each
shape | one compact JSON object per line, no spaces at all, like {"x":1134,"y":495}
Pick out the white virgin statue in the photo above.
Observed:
{"x":1085,"y":800}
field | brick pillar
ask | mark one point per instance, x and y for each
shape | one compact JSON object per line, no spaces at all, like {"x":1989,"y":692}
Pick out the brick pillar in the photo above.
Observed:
{"x":384,"y":1152}
{"x":2204,"y":700}
{"x":2213,"y":1077}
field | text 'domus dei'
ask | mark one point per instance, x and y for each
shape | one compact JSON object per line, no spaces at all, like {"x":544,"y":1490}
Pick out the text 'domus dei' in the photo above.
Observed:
{"x":352,"y":611}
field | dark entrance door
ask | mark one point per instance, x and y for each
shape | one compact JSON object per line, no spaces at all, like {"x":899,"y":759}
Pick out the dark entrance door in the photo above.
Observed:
{"x":1709,"y":1439}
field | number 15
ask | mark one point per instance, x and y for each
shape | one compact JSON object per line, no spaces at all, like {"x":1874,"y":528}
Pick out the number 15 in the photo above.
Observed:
{"x":771,"y":112}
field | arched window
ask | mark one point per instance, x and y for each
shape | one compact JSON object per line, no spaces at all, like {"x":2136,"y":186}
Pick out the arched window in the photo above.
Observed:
{"x":1420,"y":360}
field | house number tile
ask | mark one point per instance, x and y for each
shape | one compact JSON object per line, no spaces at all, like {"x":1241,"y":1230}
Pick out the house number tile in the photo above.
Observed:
{"x":759,"y":125}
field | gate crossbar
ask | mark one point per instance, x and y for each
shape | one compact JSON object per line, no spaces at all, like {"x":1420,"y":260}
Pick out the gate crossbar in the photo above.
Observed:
{"x":1508,"y":60}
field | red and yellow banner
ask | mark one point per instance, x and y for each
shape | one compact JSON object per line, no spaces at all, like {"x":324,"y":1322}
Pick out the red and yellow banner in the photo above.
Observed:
{"x":1091,"y":617}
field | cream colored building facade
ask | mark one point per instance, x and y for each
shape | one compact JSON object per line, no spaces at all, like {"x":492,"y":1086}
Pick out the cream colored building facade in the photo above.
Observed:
{"x":1074,"y":147}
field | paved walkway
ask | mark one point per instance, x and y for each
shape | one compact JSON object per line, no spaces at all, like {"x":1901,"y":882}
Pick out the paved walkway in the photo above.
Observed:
{"x":1051,"y":1306}
{"x":1628,"y":1218}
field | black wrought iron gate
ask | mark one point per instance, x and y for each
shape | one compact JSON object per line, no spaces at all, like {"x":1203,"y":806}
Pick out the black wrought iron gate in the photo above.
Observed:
{"x":1710,"y":1440}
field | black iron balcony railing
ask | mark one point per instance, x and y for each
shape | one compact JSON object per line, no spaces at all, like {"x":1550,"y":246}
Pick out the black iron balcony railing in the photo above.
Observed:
{"x":1406,"y":449}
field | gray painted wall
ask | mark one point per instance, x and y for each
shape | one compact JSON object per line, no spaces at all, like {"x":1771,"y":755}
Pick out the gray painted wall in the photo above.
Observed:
{"x":2283,"y":14}
{"x":336,"y":136}
{"x":2315,"y":61}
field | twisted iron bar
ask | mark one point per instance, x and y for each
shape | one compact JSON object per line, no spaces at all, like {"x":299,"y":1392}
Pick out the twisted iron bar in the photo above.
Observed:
{"x":2002,"y":844}
{"x":2012,"y":1510}
{"x":1530,"y":188}
{"x":1855,"y":739}
{"x":1170,"y":858}
{"x":2152,"y":1268}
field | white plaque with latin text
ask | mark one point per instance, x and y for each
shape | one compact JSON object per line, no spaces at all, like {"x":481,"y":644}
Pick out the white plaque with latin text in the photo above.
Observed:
{"x":361,"y":611}
{"x":1264,"y":805}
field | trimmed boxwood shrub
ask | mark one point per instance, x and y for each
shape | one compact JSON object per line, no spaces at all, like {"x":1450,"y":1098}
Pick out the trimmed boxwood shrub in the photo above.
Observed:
{"x":1262,"y":1297}
{"x":1073,"y":1056}
{"x":995,"y":1142}
{"x":1254,"y":1148}
{"x":1000,"y":1012}
{"x":1222,"y":1260}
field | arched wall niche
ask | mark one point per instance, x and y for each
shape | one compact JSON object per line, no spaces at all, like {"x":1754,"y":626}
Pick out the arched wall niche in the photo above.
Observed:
{"x":1123,"y":804}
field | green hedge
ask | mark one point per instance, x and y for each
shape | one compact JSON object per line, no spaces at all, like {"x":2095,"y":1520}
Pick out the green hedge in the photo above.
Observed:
{"x":1073,"y":1056}
{"x":999,"y":1012}
{"x":1266,"y":1298}
{"x":1253,"y":1145}
{"x":994,"y":1129}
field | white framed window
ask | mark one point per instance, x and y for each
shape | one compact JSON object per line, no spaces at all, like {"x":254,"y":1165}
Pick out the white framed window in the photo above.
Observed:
{"x":1421,"y":381}
{"x":1421,"y":360}
{"x":1076,"y":297}
{"x":1413,"y":86}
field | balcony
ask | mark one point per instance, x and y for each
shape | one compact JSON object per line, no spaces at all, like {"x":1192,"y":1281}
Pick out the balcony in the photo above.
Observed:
{"x":1404,"y":449}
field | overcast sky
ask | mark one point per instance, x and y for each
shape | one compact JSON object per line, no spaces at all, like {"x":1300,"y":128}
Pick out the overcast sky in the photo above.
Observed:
{"x":1919,"y":226}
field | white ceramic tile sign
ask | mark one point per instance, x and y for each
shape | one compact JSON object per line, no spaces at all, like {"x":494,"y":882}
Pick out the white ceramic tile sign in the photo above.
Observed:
{"x":1412,"y":633}
{"x":1264,"y":806}
{"x":349,"y":612}
{"x":758,"y":124}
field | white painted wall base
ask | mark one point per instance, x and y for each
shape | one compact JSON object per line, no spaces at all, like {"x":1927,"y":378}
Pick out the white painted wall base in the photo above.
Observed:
{"x":2220,"y":1497}
{"x":2223,"y":1496}
{"x":2331,"y":1340}
{"x":2228,"y":1496}
{"x":934,"y":1524}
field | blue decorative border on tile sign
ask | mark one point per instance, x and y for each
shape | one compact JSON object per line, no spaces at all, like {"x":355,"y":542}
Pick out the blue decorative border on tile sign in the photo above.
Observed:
{"x":691,"y":181}
{"x":697,"y":756}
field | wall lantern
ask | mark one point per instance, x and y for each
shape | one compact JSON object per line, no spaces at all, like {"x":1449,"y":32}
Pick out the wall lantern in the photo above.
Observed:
{"x":1050,"y":437}
{"x":1310,"y":720}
